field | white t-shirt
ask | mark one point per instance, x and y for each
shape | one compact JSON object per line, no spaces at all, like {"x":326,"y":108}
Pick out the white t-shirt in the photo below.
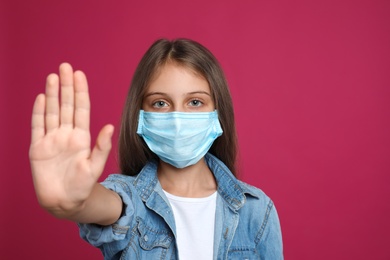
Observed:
{"x":195,"y":219}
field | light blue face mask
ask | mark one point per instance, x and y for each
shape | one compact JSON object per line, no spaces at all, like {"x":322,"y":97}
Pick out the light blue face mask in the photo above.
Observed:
{"x":179,"y":138}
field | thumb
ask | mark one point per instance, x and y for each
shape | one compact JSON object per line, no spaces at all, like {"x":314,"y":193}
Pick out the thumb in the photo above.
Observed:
{"x":101,"y":150}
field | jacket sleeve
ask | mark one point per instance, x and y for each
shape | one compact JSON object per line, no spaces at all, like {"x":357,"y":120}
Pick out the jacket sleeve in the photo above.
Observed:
{"x":269,"y":237}
{"x":98,"y":235}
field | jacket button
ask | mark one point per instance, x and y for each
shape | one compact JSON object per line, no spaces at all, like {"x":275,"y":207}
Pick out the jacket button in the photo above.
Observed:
{"x":146,"y":238}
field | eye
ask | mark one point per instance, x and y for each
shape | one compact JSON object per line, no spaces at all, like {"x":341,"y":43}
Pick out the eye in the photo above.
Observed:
{"x":195,"y":103}
{"x":160,"y":104}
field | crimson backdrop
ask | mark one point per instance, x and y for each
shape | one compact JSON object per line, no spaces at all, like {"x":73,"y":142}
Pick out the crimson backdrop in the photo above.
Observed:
{"x":310,"y":83}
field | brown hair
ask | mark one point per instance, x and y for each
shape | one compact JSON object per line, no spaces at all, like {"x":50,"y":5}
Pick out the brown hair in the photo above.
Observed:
{"x":133,"y":151}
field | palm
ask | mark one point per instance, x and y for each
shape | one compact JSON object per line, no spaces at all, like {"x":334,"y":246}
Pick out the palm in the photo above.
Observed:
{"x":63,"y":165}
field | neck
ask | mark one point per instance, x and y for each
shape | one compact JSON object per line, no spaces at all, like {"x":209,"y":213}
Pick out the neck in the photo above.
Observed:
{"x":194,"y":181}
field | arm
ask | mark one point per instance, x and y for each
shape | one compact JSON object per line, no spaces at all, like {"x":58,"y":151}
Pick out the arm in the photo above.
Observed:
{"x":269,"y":237}
{"x":64,"y":167}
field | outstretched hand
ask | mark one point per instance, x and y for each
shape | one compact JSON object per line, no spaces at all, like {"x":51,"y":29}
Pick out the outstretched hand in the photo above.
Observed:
{"x":64,"y":167}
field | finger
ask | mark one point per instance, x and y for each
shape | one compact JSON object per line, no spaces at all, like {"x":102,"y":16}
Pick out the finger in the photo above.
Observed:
{"x":52,"y":105}
{"x":101,"y":150}
{"x":38,"y":119}
{"x":67,"y":95}
{"x":82,"y":102}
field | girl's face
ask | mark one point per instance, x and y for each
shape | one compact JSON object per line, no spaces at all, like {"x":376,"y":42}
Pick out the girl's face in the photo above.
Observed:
{"x":176,"y":88}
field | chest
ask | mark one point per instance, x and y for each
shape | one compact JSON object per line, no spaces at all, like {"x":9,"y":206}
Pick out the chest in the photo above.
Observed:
{"x":155,"y":235}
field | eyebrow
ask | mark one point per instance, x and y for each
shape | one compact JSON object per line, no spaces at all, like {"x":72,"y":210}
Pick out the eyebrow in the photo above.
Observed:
{"x":165,"y":94}
{"x":198,"y":92}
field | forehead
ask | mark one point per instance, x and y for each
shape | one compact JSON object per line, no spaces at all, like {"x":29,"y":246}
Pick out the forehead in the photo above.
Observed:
{"x":173,"y":77}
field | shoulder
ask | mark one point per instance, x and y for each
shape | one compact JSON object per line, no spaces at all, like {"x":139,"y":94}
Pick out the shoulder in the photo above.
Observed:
{"x":259,"y":207}
{"x":259,"y":213}
{"x":120,"y":178}
{"x":119,"y":182}
{"x":254,"y":194}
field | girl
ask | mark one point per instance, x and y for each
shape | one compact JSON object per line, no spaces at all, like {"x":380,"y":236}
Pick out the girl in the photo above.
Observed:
{"x":177,"y":196}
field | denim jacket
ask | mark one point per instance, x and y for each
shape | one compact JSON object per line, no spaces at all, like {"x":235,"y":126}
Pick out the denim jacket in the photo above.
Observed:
{"x":246,"y":221}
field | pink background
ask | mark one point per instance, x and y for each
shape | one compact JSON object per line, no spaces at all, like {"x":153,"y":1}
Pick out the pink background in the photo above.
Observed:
{"x":310,"y":82}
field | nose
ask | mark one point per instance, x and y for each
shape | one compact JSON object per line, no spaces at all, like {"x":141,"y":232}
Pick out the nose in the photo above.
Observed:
{"x":178,"y":107}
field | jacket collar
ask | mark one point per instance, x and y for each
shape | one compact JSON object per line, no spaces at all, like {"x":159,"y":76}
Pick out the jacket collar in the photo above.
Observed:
{"x":229,"y":188}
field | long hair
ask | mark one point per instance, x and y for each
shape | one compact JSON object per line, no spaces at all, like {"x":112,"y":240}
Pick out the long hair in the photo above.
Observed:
{"x":133,"y":151}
